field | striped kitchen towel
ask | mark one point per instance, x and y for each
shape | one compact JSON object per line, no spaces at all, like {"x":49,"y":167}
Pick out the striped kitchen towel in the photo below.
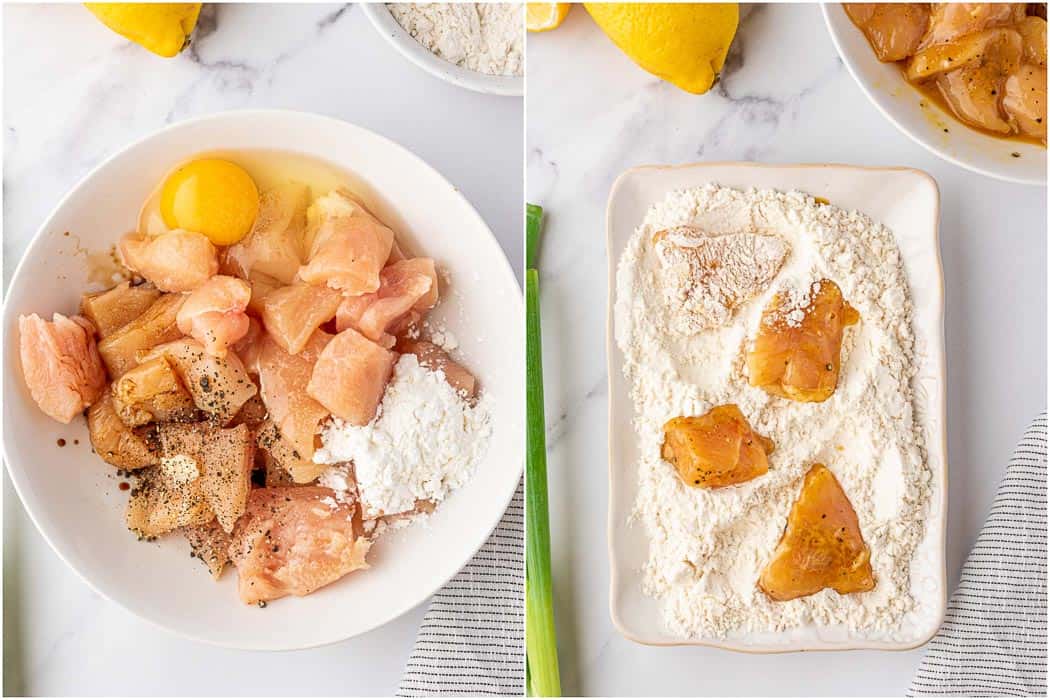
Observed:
{"x":993,"y":640}
{"x":472,"y":640}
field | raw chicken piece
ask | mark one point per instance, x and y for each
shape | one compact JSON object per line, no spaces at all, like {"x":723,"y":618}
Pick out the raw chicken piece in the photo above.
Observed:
{"x":209,"y":544}
{"x":293,"y":541}
{"x":281,"y":457}
{"x":60,"y":364}
{"x":971,"y":50}
{"x":348,"y":248}
{"x":405,"y":286}
{"x":247,"y":348}
{"x":283,"y":380}
{"x":292,"y":314}
{"x":214,"y":315}
{"x":1033,"y":35}
{"x":822,"y":546}
{"x":350,"y":376}
{"x":120,"y":350}
{"x":716,"y":449}
{"x":434,"y":358}
{"x":219,"y":385}
{"x":262,"y":285}
{"x":117,"y":443}
{"x":163,"y":501}
{"x":950,"y":21}
{"x":1025,"y":101}
{"x":274,"y":248}
{"x":796,"y":353}
{"x":177,"y":261}
{"x":112,"y":309}
{"x":152,"y":393}
{"x":894,"y":30}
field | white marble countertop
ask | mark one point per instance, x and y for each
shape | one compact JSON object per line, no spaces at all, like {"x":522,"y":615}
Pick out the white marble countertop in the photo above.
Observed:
{"x":786,"y":97}
{"x":76,"y":93}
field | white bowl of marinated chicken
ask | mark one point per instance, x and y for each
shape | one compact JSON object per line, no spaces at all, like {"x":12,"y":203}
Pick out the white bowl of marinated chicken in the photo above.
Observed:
{"x":965,"y":80}
{"x":279,"y":343}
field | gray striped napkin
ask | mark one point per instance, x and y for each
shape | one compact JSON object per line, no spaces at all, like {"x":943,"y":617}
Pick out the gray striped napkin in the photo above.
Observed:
{"x":993,"y":640}
{"x":472,"y":640}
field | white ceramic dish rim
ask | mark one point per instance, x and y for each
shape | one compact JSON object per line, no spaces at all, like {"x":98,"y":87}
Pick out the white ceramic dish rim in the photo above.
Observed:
{"x":615,"y":519}
{"x":39,"y":239}
{"x":384,"y":23}
{"x":884,"y":104}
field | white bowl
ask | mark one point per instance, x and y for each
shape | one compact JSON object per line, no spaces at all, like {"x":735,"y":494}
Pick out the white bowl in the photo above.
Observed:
{"x":72,"y":496}
{"x":907,"y":202}
{"x":400,"y":39}
{"x":925,"y":122}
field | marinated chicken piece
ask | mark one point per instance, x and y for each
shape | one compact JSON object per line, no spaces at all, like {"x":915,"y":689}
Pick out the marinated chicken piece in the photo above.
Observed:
{"x":822,"y":546}
{"x":214,"y":315}
{"x":975,"y":91}
{"x":274,"y":248}
{"x":436,"y":359}
{"x":283,"y":457}
{"x":283,"y":381}
{"x":293,"y":541}
{"x":220,"y":458}
{"x":120,"y":350}
{"x":209,"y":544}
{"x":405,"y":286}
{"x":894,"y":30}
{"x":982,"y":48}
{"x":350,"y":376}
{"x":60,"y":364}
{"x":292,"y":314}
{"x":112,"y":309}
{"x":252,"y":413}
{"x":1024,"y":101}
{"x":1033,"y":37}
{"x":162,"y":502}
{"x":177,"y":261}
{"x":796,"y":353}
{"x":705,"y":278}
{"x":219,"y":385}
{"x":716,"y":449}
{"x":951,"y":21}
{"x":348,"y":247}
{"x":117,"y":443}
{"x":152,"y":393}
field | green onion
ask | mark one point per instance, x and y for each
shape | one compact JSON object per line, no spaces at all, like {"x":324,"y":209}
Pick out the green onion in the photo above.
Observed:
{"x":541,"y":646}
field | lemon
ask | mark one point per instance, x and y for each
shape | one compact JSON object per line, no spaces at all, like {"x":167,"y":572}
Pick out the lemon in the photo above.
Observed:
{"x":545,"y":16}
{"x":164,"y":27}
{"x":210,"y":196}
{"x":683,"y":43}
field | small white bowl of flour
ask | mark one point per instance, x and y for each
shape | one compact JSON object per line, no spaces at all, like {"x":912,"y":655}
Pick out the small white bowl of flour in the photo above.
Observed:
{"x":478,"y":46}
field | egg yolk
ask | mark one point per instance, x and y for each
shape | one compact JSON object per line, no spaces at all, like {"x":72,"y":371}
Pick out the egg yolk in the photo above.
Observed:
{"x":210,"y":196}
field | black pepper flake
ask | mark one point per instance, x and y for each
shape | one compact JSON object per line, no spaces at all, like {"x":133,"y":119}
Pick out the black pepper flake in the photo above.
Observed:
{"x":262,"y":603}
{"x":829,"y":366}
{"x":61,"y":442}
{"x":1015,"y":154}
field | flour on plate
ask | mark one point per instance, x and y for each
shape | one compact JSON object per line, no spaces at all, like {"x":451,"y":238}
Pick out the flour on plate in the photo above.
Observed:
{"x":708,"y":547}
{"x":425,"y":441}
{"x":483,"y":37}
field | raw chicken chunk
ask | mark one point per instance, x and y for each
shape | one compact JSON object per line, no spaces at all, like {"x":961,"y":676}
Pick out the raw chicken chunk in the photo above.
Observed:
{"x":219,"y":385}
{"x":282,"y":457}
{"x":350,"y":376}
{"x":716,"y":449}
{"x":894,"y":30}
{"x":152,"y":393}
{"x":177,"y":261}
{"x":1024,"y":101}
{"x":292,"y":314}
{"x":121,"y":349}
{"x":283,"y":380}
{"x":61,"y":364}
{"x":163,"y":501}
{"x":293,"y":541}
{"x":112,"y":309}
{"x":951,"y":21}
{"x":214,"y":315}
{"x":348,"y":248}
{"x":434,"y":358}
{"x":274,"y":248}
{"x":796,"y":353}
{"x":822,"y":546}
{"x":405,"y":286}
{"x":117,"y":443}
{"x":209,"y":544}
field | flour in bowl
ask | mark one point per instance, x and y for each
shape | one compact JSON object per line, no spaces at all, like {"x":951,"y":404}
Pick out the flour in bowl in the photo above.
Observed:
{"x":708,"y":547}
{"x":484,"y":37}
{"x":425,"y":441}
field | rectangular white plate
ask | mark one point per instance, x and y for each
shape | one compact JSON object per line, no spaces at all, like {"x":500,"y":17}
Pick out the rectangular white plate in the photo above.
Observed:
{"x":907,"y":202}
